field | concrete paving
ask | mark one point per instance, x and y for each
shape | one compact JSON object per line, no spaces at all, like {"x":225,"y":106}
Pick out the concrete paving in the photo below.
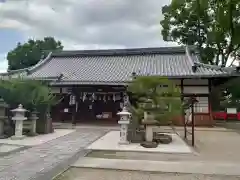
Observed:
{"x":197,"y":167}
{"x":44,"y":161}
{"x":103,"y":174}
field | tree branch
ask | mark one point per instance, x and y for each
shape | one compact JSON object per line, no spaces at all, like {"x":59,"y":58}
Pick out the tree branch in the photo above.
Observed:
{"x":230,"y":47}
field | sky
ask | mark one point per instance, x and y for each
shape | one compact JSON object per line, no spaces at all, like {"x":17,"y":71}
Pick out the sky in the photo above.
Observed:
{"x":81,"y":24}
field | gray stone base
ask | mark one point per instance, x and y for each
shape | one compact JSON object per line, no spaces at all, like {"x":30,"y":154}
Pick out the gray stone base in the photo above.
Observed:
{"x":3,"y":136}
{"x":17,"y":137}
{"x":124,"y":143}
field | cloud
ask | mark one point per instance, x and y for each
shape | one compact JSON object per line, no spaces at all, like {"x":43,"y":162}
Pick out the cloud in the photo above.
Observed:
{"x":88,"y":24}
{"x":3,"y":63}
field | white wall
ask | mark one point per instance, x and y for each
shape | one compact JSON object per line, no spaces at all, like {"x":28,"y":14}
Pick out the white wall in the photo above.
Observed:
{"x":55,"y":89}
{"x":195,"y":89}
{"x":195,"y":82}
{"x":202,"y":105}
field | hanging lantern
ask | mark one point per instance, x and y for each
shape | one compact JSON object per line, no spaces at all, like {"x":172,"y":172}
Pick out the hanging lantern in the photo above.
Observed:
{"x":93,"y":97}
{"x":114,"y":97}
{"x":72,"y":100}
{"x":121,"y":105}
{"x":84,"y":96}
{"x":125,"y":99}
{"x":104,"y":98}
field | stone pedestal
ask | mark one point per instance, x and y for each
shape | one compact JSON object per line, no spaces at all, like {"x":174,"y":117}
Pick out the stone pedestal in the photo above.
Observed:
{"x":18,"y":130}
{"x":33,"y":118}
{"x":123,"y":132}
{"x":149,"y":124}
{"x":124,"y":122}
{"x":19,"y":117}
{"x":149,"y":133}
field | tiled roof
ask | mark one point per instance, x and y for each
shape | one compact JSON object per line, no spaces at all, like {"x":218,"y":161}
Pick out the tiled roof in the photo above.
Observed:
{"x":14,"y":74}
{"x":117,"y":66}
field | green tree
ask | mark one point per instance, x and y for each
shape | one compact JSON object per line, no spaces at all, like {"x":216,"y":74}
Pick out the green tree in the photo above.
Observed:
{"x":39,"y":98}
{"x":211,"y":25}
{"x":31,"y":52}
{"x":157,"y":96}
{"x":230,"y":93}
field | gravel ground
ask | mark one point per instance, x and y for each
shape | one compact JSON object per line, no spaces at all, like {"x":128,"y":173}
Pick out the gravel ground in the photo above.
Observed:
{"x":101,"y":174}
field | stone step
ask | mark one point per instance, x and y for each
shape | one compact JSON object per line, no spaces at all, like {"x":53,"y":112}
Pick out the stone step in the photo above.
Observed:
{"x":192,"y":167}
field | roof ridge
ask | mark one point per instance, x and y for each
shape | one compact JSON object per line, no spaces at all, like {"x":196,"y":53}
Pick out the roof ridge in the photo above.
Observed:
{"x":39,"y":64}
{"x":215,"y":67}
{"x":188,"y":50}
{"x":28,"y":69}
{"x":129,"y":51}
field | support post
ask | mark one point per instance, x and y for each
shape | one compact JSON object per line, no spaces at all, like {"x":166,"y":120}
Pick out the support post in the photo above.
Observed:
{"x":183,"y":112}
{"x":193,"y":123}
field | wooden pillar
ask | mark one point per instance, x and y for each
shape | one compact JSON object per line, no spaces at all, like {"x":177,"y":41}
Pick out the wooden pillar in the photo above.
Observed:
{"x":209,"y":101}
{"x":193,"y":122}
{"x":73,"y":106}
{"x":183,"y":112}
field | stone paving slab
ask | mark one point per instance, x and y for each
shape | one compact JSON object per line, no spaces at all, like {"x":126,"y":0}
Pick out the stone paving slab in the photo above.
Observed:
{"x":4,"y":148}
{"x":103,"y":174}
{"x":39,"y":162}
{"x":192,"y":167}
{"x":37,"y":140}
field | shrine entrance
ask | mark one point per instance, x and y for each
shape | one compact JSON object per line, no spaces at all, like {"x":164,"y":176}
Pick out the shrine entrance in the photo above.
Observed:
{"x":95,"y":104}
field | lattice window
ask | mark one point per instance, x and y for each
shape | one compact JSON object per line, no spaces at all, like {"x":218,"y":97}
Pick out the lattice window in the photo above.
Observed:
{"x":202,"y":105}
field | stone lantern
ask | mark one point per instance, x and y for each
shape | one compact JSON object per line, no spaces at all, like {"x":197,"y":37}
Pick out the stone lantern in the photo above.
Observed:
{"x":33,"y":118}
{"x":18,"y":117}
{"x":124,"y":122}
{"x":3,"y":107}
{"x":149,"y":122}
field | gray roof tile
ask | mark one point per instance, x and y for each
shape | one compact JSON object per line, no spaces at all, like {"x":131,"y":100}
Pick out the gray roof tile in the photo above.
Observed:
{"x":117,"y":66}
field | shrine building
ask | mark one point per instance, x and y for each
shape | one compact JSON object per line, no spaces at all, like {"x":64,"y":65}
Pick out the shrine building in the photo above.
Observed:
{"x":92,"y":83}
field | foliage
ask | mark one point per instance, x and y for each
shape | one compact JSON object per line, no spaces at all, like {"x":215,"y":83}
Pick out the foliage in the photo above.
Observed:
{"x":31,"y":94}
{"x":157,"y":96}
{"x":213,"y":26}
{"x":231,"y":93}
{"x":31,"y":52}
